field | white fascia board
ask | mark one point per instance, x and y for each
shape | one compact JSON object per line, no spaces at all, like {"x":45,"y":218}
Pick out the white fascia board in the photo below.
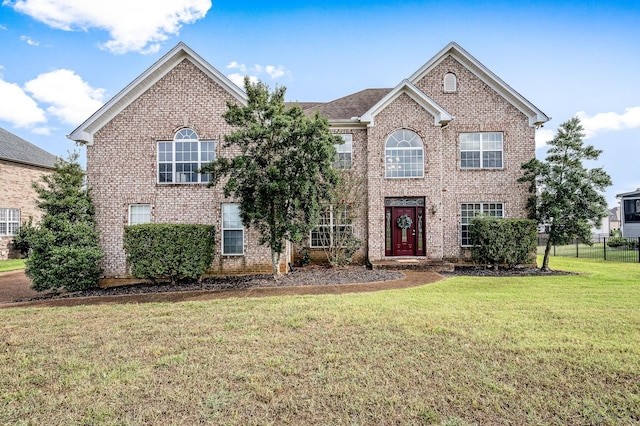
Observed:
{"x":635,"y":193}
{"x":440,"y":116}
{"x":84,"y":132}
{"x":535,"y":115}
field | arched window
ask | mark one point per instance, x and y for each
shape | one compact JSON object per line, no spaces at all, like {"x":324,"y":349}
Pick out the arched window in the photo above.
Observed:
{"x":450,"y":82}
{"x":179,"y":159}
{"x":404,"y":155}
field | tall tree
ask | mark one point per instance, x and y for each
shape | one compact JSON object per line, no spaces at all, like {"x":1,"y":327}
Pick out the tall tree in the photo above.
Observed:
{"x":565,"y":195}
{"x":64,"y":250}
{"x":283,"y":171}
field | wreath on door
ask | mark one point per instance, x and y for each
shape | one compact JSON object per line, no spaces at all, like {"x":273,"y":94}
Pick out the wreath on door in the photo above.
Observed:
{"x":404,"y":222}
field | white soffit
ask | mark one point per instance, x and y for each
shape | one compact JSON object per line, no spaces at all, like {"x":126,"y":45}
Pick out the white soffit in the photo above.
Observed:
{"x":536,"y":116}
{"x":440,"y":116}
{"x":84,"y":133}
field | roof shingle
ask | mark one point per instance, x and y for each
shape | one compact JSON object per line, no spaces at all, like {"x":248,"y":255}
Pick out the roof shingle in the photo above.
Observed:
{"x":14,"y":148}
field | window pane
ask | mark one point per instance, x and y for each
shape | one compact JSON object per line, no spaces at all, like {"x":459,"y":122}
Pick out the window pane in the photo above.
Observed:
{"x":139,"y":213}
{"x":231,"y":216}
{"x":232,"y":243}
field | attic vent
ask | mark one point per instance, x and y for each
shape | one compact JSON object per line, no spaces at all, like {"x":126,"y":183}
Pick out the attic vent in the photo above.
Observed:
{"x":450,"y":82}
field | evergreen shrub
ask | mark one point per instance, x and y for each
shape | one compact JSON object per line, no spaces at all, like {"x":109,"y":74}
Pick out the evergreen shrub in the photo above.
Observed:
{"x":174,"y":251}
{"x":509,"y":242}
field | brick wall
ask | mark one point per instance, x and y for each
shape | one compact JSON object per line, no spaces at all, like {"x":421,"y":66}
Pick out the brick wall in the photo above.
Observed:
{"x":16,"y":193}
{"x":476,"y":108}
{"x":121,"y":167}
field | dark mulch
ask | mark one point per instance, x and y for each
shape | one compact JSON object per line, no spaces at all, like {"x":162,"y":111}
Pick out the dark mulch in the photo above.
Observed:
{"x":482,"y":271}
{"x":308,"y":276}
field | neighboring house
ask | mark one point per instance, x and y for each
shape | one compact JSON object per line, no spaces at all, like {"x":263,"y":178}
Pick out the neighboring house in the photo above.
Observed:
{"x":630,"y":213}
{"x":614,"y":218}
{"x":444,"y":145}
{"x":21,"y":164}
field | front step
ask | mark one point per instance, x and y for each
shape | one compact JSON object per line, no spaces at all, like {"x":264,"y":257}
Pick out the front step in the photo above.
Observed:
{"x":412,"y":264}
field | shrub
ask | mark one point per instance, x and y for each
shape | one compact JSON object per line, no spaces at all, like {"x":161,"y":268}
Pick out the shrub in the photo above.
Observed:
{"x":174,"y":251}
{"x":508,"y":242}
{"x":26,"y":233}
{"x":63,"y":248}
{"x":615,"y":242}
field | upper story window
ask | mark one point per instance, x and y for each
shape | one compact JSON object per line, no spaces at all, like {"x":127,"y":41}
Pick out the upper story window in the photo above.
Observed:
{"x":470,"y":210}
{"x":631,"y":211}
{"x":179,"y":159}
{"x":404,"y":155}
{"x":344,"y":153}
{"x":9,"y":221}
{"x":481,"y":150}
{"x":139,"y":213}
{"x":450,"y":82}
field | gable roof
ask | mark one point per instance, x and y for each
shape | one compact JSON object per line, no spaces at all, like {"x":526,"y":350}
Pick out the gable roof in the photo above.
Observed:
{"x":14,"y":148}
{"x":350,"y":106}
{"x":84,"y":133}
{"x":536,"y":117}
{"x":440,"y":116}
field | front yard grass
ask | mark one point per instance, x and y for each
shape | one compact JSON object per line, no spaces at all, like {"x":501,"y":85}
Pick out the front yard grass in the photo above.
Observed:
{"x":11,"y":265}
{"x":467,"y":350}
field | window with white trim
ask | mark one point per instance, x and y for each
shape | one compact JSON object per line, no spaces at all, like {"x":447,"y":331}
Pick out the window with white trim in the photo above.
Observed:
{"x":450,"y":82}
{"x":344,"y":152}
{"x":232,"y":230}
{"x":179,"y":159}
{"x":139,"y":214}
{"x":470,"y":210}
{"x":404,"y":155}
{"x":481,"y":150}
{"x":9,"y":221}
{"x":333,"y":228}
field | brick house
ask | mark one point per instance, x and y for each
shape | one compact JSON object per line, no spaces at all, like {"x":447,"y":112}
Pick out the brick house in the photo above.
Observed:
{"x":442,"y":146}
{"x":21,"y":164}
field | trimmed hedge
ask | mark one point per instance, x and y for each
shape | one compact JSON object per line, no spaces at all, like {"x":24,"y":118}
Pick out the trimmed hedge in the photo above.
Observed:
{"x":508,"y":242}
{"x":174,"y":251}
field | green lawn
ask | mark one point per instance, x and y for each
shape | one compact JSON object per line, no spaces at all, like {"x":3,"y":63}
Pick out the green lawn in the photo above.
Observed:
{"x":541,"y":350}
{"x":11,"y":265}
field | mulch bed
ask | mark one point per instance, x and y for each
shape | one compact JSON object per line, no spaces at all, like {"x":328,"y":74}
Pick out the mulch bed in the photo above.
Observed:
{"x":307,"y":280}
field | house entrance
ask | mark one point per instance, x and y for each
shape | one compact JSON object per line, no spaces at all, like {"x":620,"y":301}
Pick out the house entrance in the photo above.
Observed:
{"x":404,"y":227}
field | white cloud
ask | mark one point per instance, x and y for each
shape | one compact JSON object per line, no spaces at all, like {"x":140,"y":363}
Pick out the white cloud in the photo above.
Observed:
{"x":254,"y":72}
{"x":17,"y":107}
{"x":30,"y":41}
{"x":238,"y":79}
{"x":274,"y":72}
{"x":138,"y":25}
{"x":543,"y":136}
{"x":604,"y":121}
{"x":44,"y":131}
{"x":70,"y":98}
{"x":2,"y":28}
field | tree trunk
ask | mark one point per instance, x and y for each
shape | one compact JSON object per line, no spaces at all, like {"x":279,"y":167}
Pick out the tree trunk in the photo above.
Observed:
{"x":545,"y":259}
{"x":275,"y":263}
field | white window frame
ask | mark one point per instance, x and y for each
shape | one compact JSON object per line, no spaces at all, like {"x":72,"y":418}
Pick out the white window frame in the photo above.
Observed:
{"x":471,"y":210}
{"x":331,"y":222}
{"x":9,"y":221}
{"x":401,"y":145}
{"x":137,"y":217}
{"x":234,"y":226}
{"x":486,"y":145}
{"x":171,"y":157}
{"x":344,"y":153}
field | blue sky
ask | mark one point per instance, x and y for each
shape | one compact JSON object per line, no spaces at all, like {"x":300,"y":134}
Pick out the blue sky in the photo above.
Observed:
{"x":60,"y":60}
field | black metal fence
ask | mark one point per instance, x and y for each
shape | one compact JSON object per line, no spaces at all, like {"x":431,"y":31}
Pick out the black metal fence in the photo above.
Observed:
{"x":607,"y":248}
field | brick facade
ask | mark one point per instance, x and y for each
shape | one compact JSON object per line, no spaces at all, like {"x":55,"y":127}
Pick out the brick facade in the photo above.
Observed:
{"x":17,"y":193}
{"x":122,"y":155}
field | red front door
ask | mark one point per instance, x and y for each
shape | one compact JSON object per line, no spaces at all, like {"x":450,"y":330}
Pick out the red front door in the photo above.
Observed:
{"x":405,"y":231}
